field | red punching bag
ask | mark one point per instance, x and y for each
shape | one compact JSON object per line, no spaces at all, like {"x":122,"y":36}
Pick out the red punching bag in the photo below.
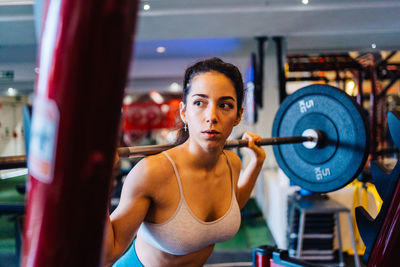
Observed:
{"x":84,"y":58}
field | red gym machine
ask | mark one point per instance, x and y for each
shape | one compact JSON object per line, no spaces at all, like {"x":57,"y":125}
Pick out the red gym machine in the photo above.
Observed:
{"x":84,"y":58}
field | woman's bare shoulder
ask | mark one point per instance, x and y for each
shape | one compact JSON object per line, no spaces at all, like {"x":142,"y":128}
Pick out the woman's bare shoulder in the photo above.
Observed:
{"x":159,"y":166}
{"x":150,"y":171}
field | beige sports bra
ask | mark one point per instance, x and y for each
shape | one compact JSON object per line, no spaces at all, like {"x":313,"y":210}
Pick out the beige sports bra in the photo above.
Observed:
{"x":184,"y":232}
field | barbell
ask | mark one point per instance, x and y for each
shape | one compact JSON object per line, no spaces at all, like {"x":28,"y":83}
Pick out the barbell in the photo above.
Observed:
{"x":325,"y":133}
{"x":142,"y":151}
{"x":10,"y":162}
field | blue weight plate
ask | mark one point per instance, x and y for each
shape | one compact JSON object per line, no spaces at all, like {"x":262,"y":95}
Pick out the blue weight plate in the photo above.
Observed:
{"x":344,"y":150}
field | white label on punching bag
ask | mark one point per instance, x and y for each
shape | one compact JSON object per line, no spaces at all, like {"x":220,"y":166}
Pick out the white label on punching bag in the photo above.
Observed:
{"x":43,"y":139}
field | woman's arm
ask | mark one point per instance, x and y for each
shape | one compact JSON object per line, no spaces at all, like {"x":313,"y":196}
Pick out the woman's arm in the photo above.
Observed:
{"x":123,"y":223}
{"x":249,"y":175}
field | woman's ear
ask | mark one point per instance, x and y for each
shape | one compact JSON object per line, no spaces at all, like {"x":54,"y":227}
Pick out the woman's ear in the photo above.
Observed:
{"x":182,"y":110}
{"x":239,"y":117}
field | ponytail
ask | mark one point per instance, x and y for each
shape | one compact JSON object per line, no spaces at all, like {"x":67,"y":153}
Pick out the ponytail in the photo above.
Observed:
{"x":181,"y":136}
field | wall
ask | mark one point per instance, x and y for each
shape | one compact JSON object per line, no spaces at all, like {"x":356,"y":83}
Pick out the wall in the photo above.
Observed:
{"x":12,"y":141}
{"x":157,"y":74}
{"x":24,"y":76}
{"x":272,"y":186}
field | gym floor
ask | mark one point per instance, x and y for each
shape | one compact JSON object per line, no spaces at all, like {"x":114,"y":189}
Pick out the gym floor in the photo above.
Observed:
{"x":9,"y":195}
{"x":253,"y":231}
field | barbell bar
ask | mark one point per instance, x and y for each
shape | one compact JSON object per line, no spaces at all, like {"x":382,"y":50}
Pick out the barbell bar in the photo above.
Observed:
{"x":10,"y":162}
{"x":142,"y":151}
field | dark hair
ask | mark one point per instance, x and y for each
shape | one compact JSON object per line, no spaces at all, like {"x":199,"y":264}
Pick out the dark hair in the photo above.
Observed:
{"x":207,"y":65}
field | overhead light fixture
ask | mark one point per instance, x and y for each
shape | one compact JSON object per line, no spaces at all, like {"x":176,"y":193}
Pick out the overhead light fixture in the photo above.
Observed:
{"x":146,"y":7}
{"x":373,"y":45}
{"x":12,"y":91}
{"x":305,"y":2}
{"x":128,"y":99}
{"x":165,"y":108}
{"x":156,"y":97}
{"x":174,"y":88}
{"x":350,"y":88}
{"x":16,"y":2}
{"x":160,"y":49}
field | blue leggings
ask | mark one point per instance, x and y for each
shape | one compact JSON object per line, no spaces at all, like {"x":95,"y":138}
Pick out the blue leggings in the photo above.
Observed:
{"x":129,"y":259}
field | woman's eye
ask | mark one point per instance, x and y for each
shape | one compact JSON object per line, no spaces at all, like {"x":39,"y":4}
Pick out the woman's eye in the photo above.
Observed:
{"x":226,"y":105}
{"x":198,"y":103}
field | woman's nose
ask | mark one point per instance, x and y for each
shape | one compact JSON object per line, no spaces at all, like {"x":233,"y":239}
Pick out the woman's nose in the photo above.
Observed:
{"x":211,"y":114}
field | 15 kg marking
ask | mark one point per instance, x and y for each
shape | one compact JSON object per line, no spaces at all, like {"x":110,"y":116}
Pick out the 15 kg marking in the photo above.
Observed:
{"x":320,"y":174}
{"x":305,"y":105}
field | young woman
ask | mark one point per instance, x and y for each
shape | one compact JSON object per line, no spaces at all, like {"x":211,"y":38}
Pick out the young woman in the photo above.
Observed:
{"x":182,"y":201}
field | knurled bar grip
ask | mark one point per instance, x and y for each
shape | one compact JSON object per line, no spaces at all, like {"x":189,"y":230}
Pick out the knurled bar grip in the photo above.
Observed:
{"x":141,"y":151}
{"x":11,"y":162}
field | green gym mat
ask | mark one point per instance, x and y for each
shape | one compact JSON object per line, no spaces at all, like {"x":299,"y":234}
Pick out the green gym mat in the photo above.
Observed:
{"x":253,"y":231}
{"x":8,"y":190}
{"x":9,"y":195}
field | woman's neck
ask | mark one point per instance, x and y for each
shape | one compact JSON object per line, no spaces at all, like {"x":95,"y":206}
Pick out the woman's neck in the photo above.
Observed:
{"x":198,"y":157}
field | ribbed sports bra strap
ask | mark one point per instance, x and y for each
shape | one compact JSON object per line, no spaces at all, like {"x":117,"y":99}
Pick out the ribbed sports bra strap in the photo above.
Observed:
{"x":176,"y":172}
{"x":179,"y":178}
{"x":230,"y":169}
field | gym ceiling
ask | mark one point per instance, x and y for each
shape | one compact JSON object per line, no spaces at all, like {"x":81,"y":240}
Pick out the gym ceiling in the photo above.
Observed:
{"x":321,"y":25}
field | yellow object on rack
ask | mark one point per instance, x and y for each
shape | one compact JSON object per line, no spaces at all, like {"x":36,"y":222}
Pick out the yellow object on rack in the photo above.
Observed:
{"x":363,"y":190}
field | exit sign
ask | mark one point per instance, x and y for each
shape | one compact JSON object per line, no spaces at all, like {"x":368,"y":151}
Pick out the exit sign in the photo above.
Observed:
{"x":6,"y":75}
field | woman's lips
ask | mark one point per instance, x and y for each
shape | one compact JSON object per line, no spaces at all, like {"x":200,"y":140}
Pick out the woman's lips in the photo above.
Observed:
{"x":211,"y":133}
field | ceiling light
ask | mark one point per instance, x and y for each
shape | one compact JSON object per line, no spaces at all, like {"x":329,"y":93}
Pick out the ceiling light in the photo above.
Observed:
{"x":156,"y":97}
{"x":373,"y":45}
{"x":12,"y":91}
{"x":165,"y":108}
{"x":175,"y":87}
{"x":128,"y":100}
{"x":160,"y":49}
{"x":16,"y":2}
{"x":350,"y":88}
{"x":305,"y":2}
{"x":146,"y":7}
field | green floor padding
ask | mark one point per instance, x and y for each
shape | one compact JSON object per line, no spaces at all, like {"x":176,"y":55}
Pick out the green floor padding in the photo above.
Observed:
{"x":9,"y":195}
{"x":8,"y":191}
{"x":7,"y":234}
{"x":253,"y":231}
{"x":7,"y":245}
{"x":238,"y":242}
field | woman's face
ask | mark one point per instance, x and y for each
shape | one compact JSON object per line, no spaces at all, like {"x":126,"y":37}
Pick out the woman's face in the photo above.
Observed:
{"x":211,"y":109}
